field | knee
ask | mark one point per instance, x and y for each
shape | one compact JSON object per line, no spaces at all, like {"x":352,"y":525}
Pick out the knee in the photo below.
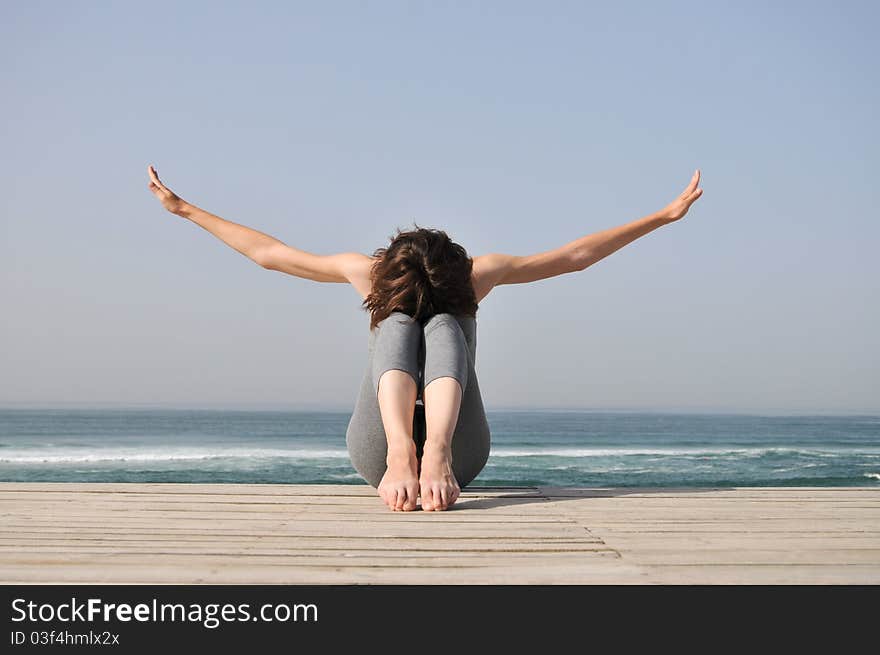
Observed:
{"x":395,"y":318}
{"x":401,"y":317}
{"x":443,"y":319}
{"x":439,"y":318}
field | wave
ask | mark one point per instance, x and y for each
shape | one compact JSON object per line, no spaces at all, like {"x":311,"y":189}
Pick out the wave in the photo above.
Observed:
{"x":875,"y":476}
{"x":346,"y":476}
{"x":674,"y":452}
{"x":113,"y":455}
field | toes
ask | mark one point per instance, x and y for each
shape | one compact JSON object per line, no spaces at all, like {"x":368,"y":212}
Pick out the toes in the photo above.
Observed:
{"x":438,"y":497}
{"x":455,"y":494}
{"x":412,"y":493}
{"x":427,"y":502}
{"x":400,"y":499}
{"x":388,"y":498}
{"x":444,"y":496}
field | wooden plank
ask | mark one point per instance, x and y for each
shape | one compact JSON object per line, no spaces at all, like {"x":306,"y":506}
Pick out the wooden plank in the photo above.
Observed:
{"x":280,"y":558}
{"x":752,"y":556}
{"x":689,"y":541}
{"x":765,"y":574}
{"x":226,"y":572}
{"x":769,"y":529}
{"x":869,"y":514}
{"x":702,"y":492}
{"x":298,"y":544}
{"x":214,"y":490}
{"x":413,"y":530}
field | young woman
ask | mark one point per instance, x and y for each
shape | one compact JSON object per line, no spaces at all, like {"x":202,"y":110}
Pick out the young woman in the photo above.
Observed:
{"x":419,"y":429}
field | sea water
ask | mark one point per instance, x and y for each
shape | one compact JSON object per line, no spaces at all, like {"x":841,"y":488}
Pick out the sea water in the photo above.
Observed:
{"x":560,"y":448}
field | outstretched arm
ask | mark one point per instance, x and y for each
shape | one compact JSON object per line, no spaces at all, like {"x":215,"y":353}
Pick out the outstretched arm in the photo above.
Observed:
{"x":494,"y":269}
{"x":265,"y":250}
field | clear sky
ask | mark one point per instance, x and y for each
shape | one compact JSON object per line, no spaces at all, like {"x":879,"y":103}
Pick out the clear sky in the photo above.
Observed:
{"x":514,"y":126}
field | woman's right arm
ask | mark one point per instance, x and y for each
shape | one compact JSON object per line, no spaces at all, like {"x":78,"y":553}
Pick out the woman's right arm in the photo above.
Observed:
{"x":495,"y":269}
{"x":266,"y":250}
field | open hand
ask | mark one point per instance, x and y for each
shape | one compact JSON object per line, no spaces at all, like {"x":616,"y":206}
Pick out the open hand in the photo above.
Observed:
{"x":166,"y":196}
{"x":679,"y":207}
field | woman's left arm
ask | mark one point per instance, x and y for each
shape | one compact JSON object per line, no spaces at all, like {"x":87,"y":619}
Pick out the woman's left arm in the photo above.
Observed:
{"x":588,"y":250}
{"x":495,"y":269}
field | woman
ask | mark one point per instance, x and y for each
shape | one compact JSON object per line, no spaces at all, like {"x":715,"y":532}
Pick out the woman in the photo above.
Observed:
{"x":419,"y":429}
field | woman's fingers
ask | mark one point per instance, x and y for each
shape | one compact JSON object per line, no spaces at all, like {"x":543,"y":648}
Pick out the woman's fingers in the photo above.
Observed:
{"x":691,"y":193}
{"x":691,"y":199}
{"x":679,"y":207}
{"x":695,"y":181}
{"x":689,"y":189}
{"x":154,"y":178}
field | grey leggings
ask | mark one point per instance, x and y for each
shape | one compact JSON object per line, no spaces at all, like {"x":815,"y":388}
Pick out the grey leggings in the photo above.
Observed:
{"x":444,"y":346}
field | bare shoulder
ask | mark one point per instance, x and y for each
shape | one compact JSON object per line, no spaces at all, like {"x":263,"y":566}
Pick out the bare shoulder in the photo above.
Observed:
{"x":489,"y":271}
{"x":356,"y":268}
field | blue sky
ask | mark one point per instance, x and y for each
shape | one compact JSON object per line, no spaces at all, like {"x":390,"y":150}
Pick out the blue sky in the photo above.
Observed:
{"x":516,"y":127}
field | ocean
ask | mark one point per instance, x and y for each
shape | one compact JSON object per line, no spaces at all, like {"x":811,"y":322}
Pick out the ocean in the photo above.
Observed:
{"x":560,"y":448}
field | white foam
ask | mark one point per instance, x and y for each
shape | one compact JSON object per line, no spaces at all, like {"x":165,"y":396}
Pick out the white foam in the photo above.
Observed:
{"x":875,"y":476}
{"x":589,"y":452}
{"x":664,"y":452}
{"x":132,"y":455}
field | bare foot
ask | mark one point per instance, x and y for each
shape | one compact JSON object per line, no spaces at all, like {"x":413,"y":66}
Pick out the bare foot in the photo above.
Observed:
{"x":437,"y":484}
{"x":399,"y":487}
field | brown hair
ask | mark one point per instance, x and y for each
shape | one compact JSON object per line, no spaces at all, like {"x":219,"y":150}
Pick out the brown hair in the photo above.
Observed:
{"x":422,"y":272}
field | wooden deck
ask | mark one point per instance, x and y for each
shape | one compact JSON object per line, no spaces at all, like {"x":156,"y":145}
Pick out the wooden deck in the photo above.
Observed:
{"x":339,"y":534}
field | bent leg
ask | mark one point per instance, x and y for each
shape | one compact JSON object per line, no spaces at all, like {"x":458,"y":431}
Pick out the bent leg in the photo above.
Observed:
{"x":395,"y":369}
{"x":446,"y":378}
{"x":471,"y":438}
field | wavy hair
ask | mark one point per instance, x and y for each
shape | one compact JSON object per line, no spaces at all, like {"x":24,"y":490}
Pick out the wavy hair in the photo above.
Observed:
{"x":422,"y":272}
